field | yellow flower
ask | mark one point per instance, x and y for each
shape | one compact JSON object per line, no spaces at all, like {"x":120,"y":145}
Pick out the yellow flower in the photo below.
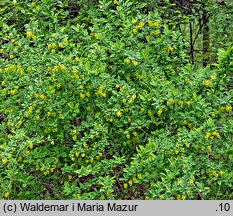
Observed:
{"x":191,"y":181}
{"x":52,"y":169}
{"x":82,"y":96}
{"x":65,"y":40}
{"x":37,"y":117}
{"x":159,"y":112}
{"x":125,"y":185}
{"x":6,"y":194}
{"x":109,"y":120}
{"x":37,"y":7}
{"x":130,"y":101}
{"x":209,"y":148}
{"x":147,"y":197}
{"x":216,"y":134}
{"x":228,"y":108}
{"x":11,"y":56}
{"x":76,"y":153}
{"x":4,"y":161}
{"x":170,"y":102}
{"x":150,"y":23}
{"x":9,"y":122}
{"x":53,"y":51}
{"x":155,"y":24}
{"x":213,"y":77}
{"x":119,"y":114}
{"x":53,"y":45}
{"x":49,"y":47}
{"x":207,"y":135}
{"x":28,"y":34}
{"x":130,"y":183}
{"x":134,"y":21}
{"x":135,"y":31}
{"x":135,"y":63}
{"x":126,"y":61}
{"x":74,"y":138}
{"x":33,"y":37}
{"x":141,"y":25}
{"x":85,"y":145}
{"x":62,"y":66}
{"x":183,"y":197}
{"x":207,"y":83}
{"x":161,"y":196}
{"x":150,"y":113}
{"x":170,"y":49}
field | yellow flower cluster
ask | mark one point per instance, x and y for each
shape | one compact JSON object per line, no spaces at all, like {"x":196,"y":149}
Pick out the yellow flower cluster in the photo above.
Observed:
{"x":119,"y":114}
{"x":81,"y":95}
{"x":192,"y":181}
{"x":207,"y":83}
{"x":128,"y":61}
{"x":160,"y":111}
{"x":130,"y":101}
{"x":213,"y":173}
{"x":212,"y":135}
{"x":13,"y":91}
{"x":181,"y":197}
{"x":30,"y":35}
{"x":150,"y":113}
{"x":51,"y":114}
{"x":169,"y":48}
{"x":75,"y":74}
{"x":156,"y":32}
{"x":213,"y":77}
{"x":38,"y":8}
{"x":153,"y":24}
{"x":227,"y":108}
{"x":51,"y":46}
{"x":9,"y":68}
{"x":39,"y":96}
{"x":171,"y":102}
{"x":138,"y":27}
{"x":100,"y":92}
{"x":56,"y":68}
{"x":109,"y":120}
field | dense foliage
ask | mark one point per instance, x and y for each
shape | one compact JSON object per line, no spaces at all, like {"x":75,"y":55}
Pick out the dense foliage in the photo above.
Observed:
{"x":101,"y":102}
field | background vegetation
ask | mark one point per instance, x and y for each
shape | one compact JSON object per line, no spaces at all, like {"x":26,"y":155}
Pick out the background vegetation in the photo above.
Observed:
{"x":118,"y":99}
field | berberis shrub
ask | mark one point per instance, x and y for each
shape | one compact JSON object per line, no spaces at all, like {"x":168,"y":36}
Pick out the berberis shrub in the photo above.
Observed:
{"x":103,"y":104}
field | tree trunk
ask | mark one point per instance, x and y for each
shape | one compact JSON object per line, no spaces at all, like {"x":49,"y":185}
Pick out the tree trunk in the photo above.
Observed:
{"x":206,"y":38}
